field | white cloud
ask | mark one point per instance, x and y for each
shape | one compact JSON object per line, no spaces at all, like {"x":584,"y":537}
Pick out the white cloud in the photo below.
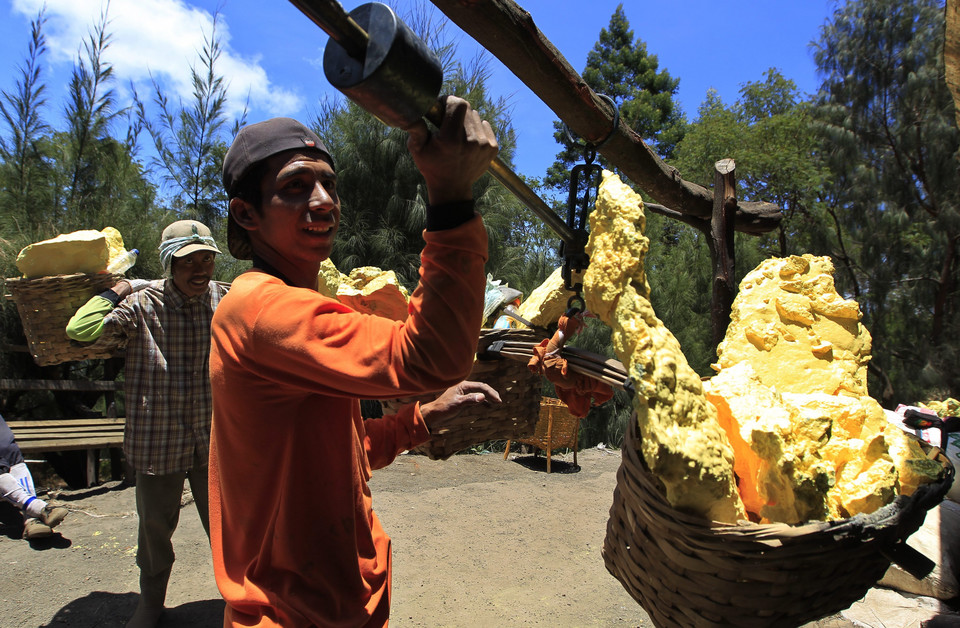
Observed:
{"x":159,"y":39}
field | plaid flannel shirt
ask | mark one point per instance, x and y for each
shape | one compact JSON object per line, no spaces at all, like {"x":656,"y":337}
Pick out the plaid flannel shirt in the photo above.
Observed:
{"x":167,"y":383}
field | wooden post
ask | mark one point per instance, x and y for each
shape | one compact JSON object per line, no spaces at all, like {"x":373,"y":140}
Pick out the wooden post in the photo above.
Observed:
{"x":721,"y":243}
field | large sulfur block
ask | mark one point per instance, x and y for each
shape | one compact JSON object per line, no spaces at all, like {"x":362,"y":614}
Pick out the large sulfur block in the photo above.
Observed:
{"x":85,"y":251}
{"x":681,"y":441}
{"x":547,"y":303}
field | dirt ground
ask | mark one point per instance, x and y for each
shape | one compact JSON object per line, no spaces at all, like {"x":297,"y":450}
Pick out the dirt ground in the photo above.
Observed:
{"x":477,"y":541}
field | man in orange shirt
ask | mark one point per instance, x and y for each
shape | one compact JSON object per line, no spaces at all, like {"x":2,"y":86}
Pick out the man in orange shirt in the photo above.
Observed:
{"x":294,"y":536}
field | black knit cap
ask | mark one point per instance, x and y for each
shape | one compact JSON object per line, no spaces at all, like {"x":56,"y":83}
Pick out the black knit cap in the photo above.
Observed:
{"x":253,"y":144}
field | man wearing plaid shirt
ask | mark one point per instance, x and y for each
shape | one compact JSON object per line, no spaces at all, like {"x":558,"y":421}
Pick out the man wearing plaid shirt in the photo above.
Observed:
{"x":166,"y":324}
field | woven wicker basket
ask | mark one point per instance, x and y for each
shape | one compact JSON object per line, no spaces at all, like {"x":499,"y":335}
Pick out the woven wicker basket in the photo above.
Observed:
{"x":516,"y":417}
{"x":557,"y":428}
{"x":686,"y":572}
{"x":46,"y":304}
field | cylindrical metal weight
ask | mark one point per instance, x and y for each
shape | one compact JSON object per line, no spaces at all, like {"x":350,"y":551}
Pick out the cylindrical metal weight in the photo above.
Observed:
{"x":397,"y":80}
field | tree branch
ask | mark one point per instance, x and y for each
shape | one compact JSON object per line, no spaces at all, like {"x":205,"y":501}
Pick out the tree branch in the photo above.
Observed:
{"x":510,"y":34}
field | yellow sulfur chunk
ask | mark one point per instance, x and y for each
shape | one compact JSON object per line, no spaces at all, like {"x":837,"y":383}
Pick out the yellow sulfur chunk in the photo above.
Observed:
{"x":782,"y":477}
{"x":83,"y":251}
{"x":681,"y":441}
{"x":856,"y":450}
{"x":373,"y":291}
{"x":547,"y":302}
{"x":868,"y":488}
{"x":796,"y":331}
{"x":795,"y":346}
{"x":814,"y":456}
{"x":913,"y":466}
{"x":946,"y":407}
{"x":115,"y":246}
{"x":852,"y":417}
{"x":328,"y":279}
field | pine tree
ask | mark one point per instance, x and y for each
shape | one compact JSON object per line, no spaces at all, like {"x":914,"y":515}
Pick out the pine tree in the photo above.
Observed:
{"x":622,"y":69}
{"x":90,"y":110}
{"x":189,"y":140}
{"x":890,"y":141}
{"x":21,"y":194}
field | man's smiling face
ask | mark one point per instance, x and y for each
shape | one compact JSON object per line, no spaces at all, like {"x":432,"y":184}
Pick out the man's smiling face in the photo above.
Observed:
{"x":300,"y":208}
{"x":192,"y":273}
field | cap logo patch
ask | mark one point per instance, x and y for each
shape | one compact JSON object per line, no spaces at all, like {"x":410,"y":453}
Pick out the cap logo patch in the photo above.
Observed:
{"x":309,"y":142}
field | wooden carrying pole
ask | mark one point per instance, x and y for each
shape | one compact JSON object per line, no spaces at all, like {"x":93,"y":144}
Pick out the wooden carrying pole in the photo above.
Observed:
{"x":509,"y":33}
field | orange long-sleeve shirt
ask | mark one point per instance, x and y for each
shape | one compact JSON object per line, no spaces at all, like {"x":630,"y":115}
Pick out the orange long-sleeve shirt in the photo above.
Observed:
{"x":294,"y":536}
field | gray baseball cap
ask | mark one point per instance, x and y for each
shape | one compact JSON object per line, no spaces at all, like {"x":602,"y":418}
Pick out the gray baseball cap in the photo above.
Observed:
{"x":253,"y":144}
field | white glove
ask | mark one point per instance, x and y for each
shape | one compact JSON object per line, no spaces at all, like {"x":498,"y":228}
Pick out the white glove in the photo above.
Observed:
{"x":138,"y":284}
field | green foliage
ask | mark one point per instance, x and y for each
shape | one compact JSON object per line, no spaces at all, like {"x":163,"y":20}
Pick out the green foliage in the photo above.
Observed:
{"x":768,"y":133}
{"x":621,"y":68}
{"x":716,"y":131}
{"x":189,"y":141}
{"x":85,"y":146}
{"x":524,"y":251}
{"x":21,"y":198}
{"x":890,"y":140}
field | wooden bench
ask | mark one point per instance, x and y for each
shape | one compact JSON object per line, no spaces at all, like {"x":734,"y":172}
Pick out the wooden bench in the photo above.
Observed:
{"x":68,"y":434}
{"x":62,"y":435}
{"x":55,"y":436}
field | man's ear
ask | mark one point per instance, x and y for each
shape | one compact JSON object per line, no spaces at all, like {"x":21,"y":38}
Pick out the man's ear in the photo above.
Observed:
{"x":244,"y":213}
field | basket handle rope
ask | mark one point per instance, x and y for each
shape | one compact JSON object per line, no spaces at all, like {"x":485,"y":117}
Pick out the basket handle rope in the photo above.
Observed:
{"x":607,"y":370}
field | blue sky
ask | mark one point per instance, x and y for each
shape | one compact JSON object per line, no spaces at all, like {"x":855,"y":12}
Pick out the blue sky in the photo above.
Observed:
{"x":272,"y":52}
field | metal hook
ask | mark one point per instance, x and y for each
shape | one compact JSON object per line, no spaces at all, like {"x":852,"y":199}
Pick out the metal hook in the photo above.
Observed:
{"x":589,"y":154}
{"x":616,"y":121}
{"x":576,"y":304}
{"x":603,"y":142}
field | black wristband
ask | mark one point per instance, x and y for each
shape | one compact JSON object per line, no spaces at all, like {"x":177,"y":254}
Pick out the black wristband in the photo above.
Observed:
{"x":449,"y":215}
{"x":111,"y":296}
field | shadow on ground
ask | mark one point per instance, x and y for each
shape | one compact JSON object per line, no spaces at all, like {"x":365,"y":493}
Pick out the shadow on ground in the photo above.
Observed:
{"x":107,"y":610}
{"x":80,"y":494}
{"x":539,"y":463}
{"x":11,"y":521}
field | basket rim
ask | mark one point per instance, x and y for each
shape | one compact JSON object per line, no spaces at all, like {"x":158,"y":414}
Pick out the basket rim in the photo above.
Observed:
{"x":924,"y":498}
{"x":58,"y":277}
